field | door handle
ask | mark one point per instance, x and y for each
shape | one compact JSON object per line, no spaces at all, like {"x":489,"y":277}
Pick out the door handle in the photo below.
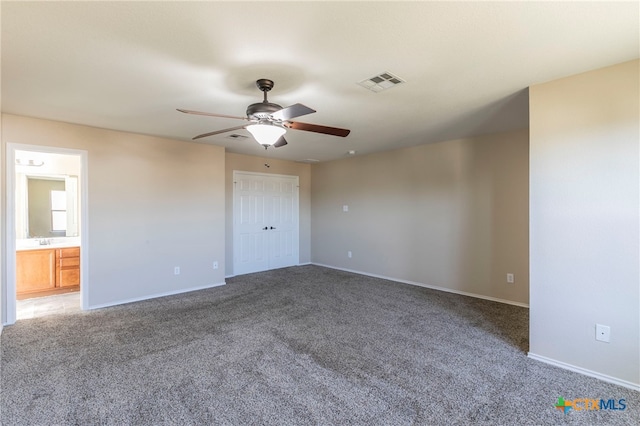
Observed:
{"x":273,"y":227}
{"x":265,"y":228}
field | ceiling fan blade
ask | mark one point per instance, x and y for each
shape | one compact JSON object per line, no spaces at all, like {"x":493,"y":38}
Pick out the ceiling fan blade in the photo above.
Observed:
{"x":281,"y":142}
{"x":295,"y":110}
{"x":204,"y":135}
{"x":209,"y":114}
{"x":335,"y":131}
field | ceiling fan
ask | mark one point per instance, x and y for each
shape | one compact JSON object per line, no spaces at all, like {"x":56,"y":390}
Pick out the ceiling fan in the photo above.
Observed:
{"x":269,"y":122}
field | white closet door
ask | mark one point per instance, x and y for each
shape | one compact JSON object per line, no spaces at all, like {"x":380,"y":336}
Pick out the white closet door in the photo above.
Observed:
{"x":265,"y":212}
{"x":283,"y":223}
{"x":249,"y":225}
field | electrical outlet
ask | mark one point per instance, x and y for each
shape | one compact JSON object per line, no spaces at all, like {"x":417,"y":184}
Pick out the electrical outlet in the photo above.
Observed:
{"x":176,"y":270}
{"x":510,"y":279}
{"x":215,"y":265}
{"x":345,"y":208}
{"x":603,"y":333}
{"x":349,"y":254}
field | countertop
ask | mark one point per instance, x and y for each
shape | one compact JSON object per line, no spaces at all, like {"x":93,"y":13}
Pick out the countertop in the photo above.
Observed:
{"x":54,"y":243}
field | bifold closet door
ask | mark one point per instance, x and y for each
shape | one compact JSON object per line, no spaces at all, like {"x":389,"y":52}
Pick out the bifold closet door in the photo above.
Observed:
{"x":265,"y":222}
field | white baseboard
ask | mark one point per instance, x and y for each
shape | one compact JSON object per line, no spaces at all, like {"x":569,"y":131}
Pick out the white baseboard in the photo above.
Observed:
{"x":154,"y":296}
{"x":299,"y":264}
{"x":585,"y":372}
{"x":433,"y":287}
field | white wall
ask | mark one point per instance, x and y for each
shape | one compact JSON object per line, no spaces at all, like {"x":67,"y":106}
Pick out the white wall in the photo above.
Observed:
{"x":451,"y":215}
{"x":585,"y":183}
{"x":3,"y":233}
{"x":153,"y":204}
{"x":53,"y":164}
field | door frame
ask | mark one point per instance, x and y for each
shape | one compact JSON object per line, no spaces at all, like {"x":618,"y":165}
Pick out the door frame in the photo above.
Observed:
{"x":9,"y":281}
{"x":233,"y":209}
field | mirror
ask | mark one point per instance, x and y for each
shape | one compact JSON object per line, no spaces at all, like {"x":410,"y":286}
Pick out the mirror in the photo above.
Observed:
{"x":47,"y":204}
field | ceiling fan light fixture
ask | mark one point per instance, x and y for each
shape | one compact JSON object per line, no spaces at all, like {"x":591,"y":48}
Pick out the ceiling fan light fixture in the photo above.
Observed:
{"x":266,"y":134}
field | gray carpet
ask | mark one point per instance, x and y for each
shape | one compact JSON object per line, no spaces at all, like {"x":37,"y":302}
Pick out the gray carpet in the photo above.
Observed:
{"x":303,"y":345}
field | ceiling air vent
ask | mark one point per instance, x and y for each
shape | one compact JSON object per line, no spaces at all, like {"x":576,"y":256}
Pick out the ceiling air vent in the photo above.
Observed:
{"x":237,"y":136}
{"x":381,"y":82}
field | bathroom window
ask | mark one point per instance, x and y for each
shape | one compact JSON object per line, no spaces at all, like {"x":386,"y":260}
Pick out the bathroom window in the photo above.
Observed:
{"x":58,"y":210}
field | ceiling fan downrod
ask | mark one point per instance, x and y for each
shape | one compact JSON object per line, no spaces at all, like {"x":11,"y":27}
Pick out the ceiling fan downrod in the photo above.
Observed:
{"x":265,"y":85}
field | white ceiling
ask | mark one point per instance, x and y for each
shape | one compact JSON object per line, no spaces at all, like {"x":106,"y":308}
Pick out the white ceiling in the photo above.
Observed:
{"x":467,"y":65}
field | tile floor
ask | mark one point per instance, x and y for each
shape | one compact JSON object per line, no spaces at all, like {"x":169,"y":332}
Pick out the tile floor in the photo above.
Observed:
{"x":49,"y":305}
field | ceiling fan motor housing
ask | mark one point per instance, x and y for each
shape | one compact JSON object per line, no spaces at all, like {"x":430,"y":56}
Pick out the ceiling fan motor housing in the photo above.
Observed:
{"x":262,"y":110}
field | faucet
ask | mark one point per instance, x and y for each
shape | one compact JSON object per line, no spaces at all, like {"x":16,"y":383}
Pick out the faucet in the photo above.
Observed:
{"x":44,"y":241}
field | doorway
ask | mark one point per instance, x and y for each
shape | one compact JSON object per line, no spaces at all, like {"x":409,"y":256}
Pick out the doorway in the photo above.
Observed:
{"x":265,"y":222}
{"x":47,"y":226}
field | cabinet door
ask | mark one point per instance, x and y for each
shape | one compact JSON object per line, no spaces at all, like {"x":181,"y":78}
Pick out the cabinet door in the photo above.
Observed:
{"x":35,"y":270}
{"x":69,"y":277}
{"x":68,"y":267}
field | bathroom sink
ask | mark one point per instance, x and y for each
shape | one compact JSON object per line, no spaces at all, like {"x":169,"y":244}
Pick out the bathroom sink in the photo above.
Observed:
{"x":34,"y":244}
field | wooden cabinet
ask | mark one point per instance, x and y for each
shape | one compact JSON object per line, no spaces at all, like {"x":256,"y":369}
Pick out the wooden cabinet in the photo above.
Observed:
{"x":47,"y":271}
{"x":35,"y":270}
{"x":68,"y":267}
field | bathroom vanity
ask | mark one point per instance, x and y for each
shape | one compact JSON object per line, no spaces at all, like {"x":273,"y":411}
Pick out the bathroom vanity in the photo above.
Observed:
{"x":47,"y":223}
{"x":43,"y":270}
